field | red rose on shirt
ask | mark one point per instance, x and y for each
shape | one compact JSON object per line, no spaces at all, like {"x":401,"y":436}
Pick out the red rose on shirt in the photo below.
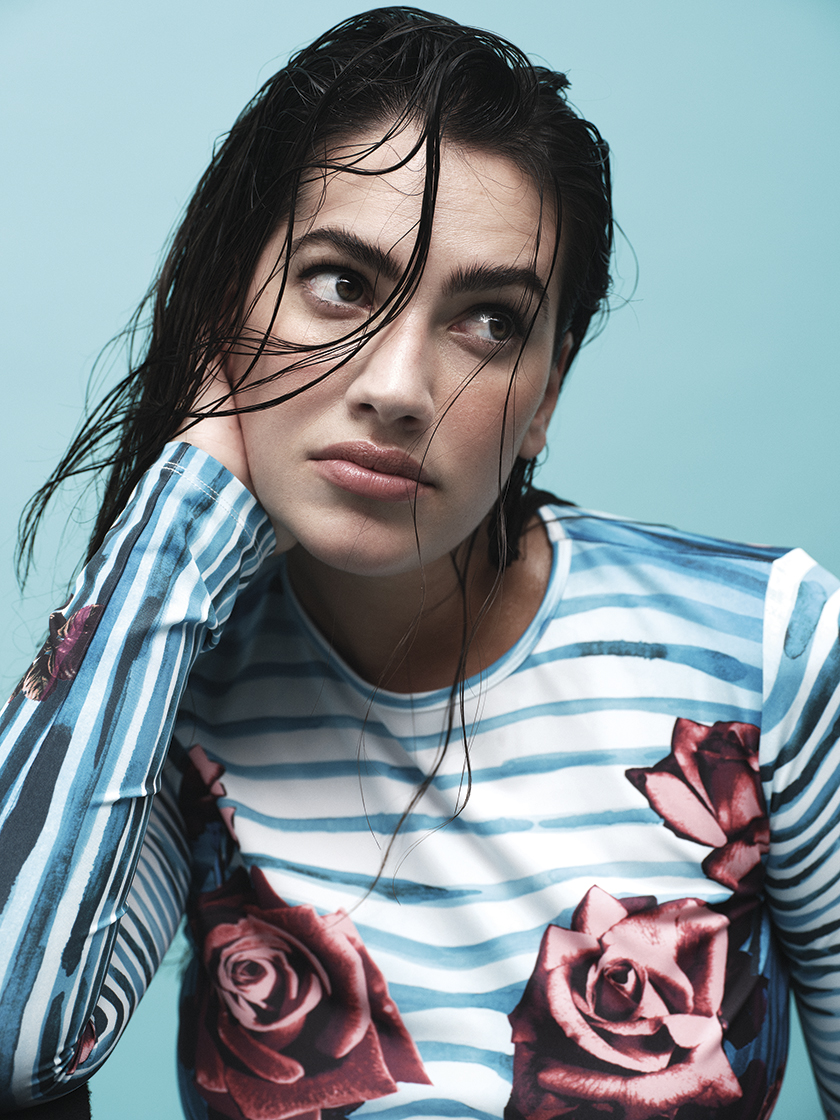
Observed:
{"x":621,"y":1013}
{"x":293,"y":1016}
{"x":708,"y":790}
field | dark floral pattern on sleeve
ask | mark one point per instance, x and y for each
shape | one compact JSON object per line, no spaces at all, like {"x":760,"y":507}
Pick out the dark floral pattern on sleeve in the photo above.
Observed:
{"x":61,"y":655}
{"x":84,"y":1047}
{"x":708,"y":790}
{"x":621,"y":1016}
{"x":290,"y":1017}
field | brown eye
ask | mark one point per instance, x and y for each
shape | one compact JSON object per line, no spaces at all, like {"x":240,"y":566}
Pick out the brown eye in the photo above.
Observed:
{"x":333,"y":286}
{"x":348,"y":288}
{"x":499,"y":329}
{"x":494,"y":327}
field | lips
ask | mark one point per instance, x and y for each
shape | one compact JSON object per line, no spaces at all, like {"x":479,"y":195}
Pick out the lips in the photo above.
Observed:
{"x":383,"y":473}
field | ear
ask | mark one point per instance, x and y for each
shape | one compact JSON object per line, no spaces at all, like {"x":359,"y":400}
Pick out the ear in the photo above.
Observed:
{"x":535,"y":437}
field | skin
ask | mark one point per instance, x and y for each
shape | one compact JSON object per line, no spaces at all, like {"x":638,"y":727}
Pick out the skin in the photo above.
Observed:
{"x":415,"y":388}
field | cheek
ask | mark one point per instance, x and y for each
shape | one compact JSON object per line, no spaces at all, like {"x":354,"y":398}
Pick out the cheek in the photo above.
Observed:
{"x":466,"y":451}
{"x":272,"y":435}
{"x":484,"y":429}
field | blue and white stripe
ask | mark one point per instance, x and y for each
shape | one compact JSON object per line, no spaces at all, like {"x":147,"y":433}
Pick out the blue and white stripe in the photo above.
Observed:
{"x":640,"y":626}
{"x":78,"y":771}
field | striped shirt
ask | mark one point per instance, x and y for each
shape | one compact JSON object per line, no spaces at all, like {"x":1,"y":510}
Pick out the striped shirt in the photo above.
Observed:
{"x":648,"y":848}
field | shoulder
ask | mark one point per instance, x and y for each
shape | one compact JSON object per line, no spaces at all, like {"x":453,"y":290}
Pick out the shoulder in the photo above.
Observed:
{"x":638,"y":537}
{"x":644,"y":563}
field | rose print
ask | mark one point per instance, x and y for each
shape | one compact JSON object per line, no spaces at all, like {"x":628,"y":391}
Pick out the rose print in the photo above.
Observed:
{"x":763,"y":1096}
{"x":293,"y":1016}
{"x":61,"y":655}
{"x":201,"y":786}
{"x":708,"y":790}
{"x":622,"y":1013}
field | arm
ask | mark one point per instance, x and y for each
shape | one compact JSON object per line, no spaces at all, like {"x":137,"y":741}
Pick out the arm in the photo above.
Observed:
{"x":81,"y":749}
{"x":800,"y":756}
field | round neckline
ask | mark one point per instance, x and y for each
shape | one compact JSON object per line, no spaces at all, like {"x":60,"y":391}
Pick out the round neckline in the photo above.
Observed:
{"x":479,"y":683}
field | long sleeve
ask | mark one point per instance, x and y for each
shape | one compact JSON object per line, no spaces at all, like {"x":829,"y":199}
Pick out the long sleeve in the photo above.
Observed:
{"x":800,"y":751}
{"x":82,"y":744}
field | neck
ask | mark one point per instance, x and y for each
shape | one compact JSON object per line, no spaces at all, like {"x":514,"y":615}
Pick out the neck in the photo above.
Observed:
{"x":425,"y":629}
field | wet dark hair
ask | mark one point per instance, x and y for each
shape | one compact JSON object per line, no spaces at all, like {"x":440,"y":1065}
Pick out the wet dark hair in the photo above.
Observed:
{"x":388,"y":67}
{"x":387,"y":70}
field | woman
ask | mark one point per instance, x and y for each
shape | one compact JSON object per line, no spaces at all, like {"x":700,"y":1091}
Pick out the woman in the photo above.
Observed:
{"x":465,"y":798}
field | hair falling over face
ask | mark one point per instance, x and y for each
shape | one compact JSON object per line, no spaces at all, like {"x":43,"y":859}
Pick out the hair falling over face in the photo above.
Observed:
{"x":384,"y":75}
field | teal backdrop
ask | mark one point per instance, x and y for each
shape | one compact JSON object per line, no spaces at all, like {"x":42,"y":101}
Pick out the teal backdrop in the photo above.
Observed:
{"x":710,"y":401}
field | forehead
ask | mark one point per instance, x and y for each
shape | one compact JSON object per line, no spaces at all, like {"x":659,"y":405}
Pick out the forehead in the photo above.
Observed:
{"x":487,"y":209}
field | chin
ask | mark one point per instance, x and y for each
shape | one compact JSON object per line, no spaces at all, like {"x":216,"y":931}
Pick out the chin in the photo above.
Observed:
{"x":360,"y":560}
{"x":369,"y":550}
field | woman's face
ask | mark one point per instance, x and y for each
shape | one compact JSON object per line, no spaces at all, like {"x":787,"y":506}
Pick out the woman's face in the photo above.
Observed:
{"x":402,"y":444}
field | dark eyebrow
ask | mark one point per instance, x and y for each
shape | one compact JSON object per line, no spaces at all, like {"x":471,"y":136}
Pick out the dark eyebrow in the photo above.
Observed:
{"x":369,"y":255}
{"x":483,"y":278}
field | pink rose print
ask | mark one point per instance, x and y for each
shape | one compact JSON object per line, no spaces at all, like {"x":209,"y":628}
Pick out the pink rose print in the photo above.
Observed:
{"x":708,"y":790}
{"x":621,"y":1014}
{"x":293,"y":1016}
{"x":61,"y":655}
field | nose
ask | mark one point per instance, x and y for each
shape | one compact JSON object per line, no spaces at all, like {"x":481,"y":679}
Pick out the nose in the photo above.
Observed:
{"x":393,"y":376}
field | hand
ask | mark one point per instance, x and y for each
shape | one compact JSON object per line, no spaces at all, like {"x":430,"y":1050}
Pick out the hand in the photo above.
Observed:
{"x":221,"y":437}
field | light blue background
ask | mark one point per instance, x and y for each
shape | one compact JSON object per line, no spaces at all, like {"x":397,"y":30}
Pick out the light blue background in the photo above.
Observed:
{"x":711,"y":401}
